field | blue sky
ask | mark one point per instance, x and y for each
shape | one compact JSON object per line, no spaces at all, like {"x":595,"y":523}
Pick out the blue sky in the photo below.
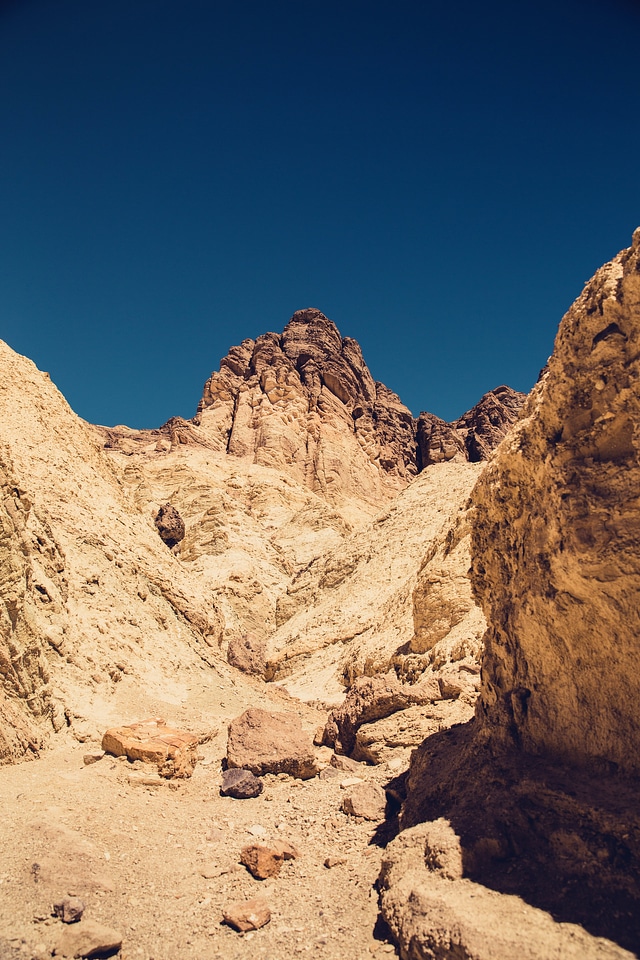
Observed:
{"x":439,"y":179}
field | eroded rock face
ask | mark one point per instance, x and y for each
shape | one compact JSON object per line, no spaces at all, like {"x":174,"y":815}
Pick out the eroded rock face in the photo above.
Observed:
{"x":475,"y":435}
{"x":370,"y":699}
{"x":305,"y":401}
{"x":434,"y":912}
{"x":556,"y":536}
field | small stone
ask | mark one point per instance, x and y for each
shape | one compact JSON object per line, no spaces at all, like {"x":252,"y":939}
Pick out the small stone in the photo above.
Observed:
{"x":87,"y":939}
{"x":329,"y":773}
{"x":366,"y":800}
{"x":262,"y":861}
{"x":69,"y":910}
{"x":247,"y":915}
{"x":350,"y":782}
{"x":285,"y":849}
{"x":346,"y":764}
{"x":334,"y":862}
{"x":396,"y":764}
{"x":240,"y":784}
{"x":257,"y":830}
{"x":90,"y":758}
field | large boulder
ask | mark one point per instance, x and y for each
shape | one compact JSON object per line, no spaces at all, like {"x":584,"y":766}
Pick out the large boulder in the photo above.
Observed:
{"x":433,"y":912}
{"x":265,"y":742}
{"x":370,"y":699}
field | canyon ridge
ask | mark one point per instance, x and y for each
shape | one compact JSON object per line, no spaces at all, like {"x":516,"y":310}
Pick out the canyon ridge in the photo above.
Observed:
{"x":419,"y":636}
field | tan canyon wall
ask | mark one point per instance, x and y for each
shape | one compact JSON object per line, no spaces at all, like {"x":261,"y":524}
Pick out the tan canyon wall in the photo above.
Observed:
{"x":556,"y":541}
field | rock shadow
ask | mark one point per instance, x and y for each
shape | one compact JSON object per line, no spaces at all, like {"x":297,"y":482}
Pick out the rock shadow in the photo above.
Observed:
{"x":565,"y":840}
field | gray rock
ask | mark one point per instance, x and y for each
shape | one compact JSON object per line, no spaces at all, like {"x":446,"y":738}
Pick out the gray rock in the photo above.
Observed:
{"x":240,"y":784}
{"x":69,"y":910}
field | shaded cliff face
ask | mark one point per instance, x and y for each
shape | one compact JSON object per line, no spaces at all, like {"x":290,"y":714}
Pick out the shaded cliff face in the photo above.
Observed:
{"x":304,"y":401}
{"x":475,"y":435}
{"x":556,"y":560}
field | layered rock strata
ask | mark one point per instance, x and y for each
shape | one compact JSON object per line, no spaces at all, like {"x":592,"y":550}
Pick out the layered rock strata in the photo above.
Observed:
{"x":305,"y":402}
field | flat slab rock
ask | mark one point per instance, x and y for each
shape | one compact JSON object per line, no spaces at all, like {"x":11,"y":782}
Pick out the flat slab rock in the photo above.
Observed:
{"x":265,"y":742}
{"x":149,"y":740}
{"x":247,"y":915}
{"x":88,"y":939}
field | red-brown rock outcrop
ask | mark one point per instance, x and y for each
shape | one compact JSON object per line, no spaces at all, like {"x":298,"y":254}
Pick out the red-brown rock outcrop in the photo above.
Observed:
{"x":475,"y":435}
{"x":305,"y":401}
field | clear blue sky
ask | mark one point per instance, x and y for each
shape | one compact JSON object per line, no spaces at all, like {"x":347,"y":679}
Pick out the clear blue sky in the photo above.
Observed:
{"x":439,"y":178}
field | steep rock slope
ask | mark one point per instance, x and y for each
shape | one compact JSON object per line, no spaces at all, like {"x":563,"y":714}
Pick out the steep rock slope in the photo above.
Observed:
{"x":553,"y":750}
{"x":352,"y":612}
{"x":88,"y":590}
{"x":555,"y":543}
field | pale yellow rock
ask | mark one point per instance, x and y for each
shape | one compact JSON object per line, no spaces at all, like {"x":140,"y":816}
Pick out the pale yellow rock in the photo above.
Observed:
{"x":403,"y":731}
{"x":350,"y":611}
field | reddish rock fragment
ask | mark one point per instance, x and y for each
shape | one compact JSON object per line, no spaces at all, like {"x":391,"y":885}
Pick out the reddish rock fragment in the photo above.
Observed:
{"x":247,"y":915}
{"x":154,"y":742}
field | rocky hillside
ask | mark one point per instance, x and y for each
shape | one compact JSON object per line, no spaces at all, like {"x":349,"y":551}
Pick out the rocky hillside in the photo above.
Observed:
{"x":252,"y":526}
{"x":557,"y":524}
{"x":305,"y":403}
{"x":553,"y":749}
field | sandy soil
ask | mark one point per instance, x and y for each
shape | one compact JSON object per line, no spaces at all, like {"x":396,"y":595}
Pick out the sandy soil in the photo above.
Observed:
{"x":134,"y":848}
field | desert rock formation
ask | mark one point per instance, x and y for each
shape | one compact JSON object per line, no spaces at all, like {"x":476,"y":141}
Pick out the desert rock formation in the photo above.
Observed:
{"x":556,"y":529}
{"x":475,"y":435}
{"x":305,"y":403}
{"x":553,"y":750}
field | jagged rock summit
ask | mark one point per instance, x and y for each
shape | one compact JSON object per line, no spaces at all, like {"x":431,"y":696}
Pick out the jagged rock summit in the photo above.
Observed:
{"x":304,"y":402}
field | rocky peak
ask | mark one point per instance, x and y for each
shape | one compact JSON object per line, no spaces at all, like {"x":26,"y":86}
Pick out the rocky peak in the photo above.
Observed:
{"x":475,"y":435}
{"x":306,"y":402}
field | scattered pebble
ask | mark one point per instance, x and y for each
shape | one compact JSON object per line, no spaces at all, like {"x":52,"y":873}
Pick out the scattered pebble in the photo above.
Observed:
{"x":334,"y":862}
